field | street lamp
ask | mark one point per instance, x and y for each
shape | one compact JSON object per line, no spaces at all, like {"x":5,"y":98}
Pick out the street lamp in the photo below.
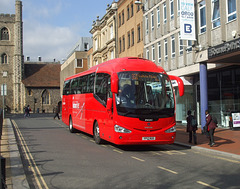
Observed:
{"x":139,"y":3}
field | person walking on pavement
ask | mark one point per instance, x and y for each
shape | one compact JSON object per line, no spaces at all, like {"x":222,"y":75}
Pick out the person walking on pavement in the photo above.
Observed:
{"x":211,"y":126}
{"x":191,"y":127}
{"x":27,"y":111}
{"x":57,"y":111}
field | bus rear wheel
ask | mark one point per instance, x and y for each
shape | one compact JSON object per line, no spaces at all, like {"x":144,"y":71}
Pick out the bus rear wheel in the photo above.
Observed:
{"x":96,"y":134}
{"x":71,"y":129}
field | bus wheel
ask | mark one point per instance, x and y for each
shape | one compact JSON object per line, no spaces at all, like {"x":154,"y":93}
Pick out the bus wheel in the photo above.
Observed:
{"x":71,"y":129}
{"x":96,"y":134}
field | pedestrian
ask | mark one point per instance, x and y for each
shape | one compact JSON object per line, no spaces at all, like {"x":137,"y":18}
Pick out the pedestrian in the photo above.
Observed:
{"x":27,"y":111}
{"x":191,"y":127}
{"x":57,"y":111}
{"x":211,"y":126}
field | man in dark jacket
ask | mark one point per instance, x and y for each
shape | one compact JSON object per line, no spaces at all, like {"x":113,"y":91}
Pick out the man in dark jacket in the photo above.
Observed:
{"x":191,"y":128}
{"x":211,"y":126}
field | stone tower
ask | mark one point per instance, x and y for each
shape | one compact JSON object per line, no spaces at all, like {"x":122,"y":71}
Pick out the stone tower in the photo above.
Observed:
{"x":11,"y":59}
{"x":18,"y":88}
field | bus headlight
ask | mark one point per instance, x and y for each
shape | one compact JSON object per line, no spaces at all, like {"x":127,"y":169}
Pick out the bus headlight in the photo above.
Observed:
{"x":171,"y":130}
{"x":120,"y":129}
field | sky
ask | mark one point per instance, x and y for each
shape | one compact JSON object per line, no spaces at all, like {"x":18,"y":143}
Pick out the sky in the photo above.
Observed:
{"x":52,"y":27}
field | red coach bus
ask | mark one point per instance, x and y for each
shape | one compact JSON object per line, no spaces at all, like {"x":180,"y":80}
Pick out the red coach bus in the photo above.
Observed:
{"x":125,"y":101}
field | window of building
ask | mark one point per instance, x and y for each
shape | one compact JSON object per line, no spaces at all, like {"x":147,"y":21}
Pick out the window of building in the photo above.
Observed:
{"x":119,"y":20}
{"x":4,"y":35}
{"x":178,"y":7}
{"x":139,"y":33}
{"x":123,"y":17}
{"x":86,"y":46}
{"x":45,"y":97}
{"x":159,"y":52}
{"x":171,"y":9}
{"x":180,"y":45}
{"x":123,"y":42}
{"x":166,"y":49}
{"x":202,"y":16}
{"x":189,"y":45}
{"x":96,"y":44}
{"x":215,"y":14}
{"x":132,"y":11}
{"x":138,"y":8}
{"x":146,"y":23}
{"x":132,"y":37}
{"x":164,"y":13}
{"x":112,"y":54}
{"x":111,"y":32}
{"x":152,"y":20}
{"x":231,"y":8}
{"x":4,"y":58}
{"x":120,"y":45}
{"x":78,"y":63}
{"x":129,"y":40}
{"x":153,"y":53}
{"x":173,"y":46}
{"x":128,"y":12}
{"x":5,"y":74}
{"x":147,"y":53}
{"x":158,"y":17}
{"x":29,"y":92}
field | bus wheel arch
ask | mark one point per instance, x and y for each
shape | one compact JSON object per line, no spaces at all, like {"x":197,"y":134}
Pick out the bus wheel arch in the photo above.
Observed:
{"x":96,"y":133}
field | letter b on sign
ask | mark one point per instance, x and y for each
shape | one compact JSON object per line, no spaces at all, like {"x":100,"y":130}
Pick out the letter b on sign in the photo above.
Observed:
{"x":187,"y":28}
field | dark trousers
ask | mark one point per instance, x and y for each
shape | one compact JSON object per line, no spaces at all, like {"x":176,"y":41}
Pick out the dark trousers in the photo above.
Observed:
{"x":194,"y":135}
{"x":211,"y":136}
{"x":57,"y":115}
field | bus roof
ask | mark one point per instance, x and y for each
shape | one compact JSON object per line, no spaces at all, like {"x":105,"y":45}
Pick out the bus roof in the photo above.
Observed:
{"x":123,"y":64}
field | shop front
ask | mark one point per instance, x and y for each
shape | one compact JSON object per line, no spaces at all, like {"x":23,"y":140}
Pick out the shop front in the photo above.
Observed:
{"x":217,"y":90}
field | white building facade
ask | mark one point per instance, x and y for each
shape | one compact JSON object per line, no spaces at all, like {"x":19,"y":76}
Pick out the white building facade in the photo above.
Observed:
{"x":209,"y":65}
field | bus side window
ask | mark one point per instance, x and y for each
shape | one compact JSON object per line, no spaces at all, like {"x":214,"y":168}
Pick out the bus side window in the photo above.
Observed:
{"x":66,"y":87}
{"x":90,"y":85}
{"x":103,"y":87}
{"x":74,"y":85}
{"x":84,"y":84}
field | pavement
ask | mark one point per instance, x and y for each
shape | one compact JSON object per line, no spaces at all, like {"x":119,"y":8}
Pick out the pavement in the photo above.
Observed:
{"x":227,"y":144}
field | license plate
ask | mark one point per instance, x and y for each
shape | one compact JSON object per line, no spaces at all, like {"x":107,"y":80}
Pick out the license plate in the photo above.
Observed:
{"x":148,"y":138}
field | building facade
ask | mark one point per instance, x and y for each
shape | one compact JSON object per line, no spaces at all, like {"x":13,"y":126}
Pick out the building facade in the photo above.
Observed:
{"x":42,"y":86}
{"x":11,"y":62}
{"x":209,"y":65}
{"x":77,"y":61}
{"x":104,"y":34}
{"x":130,"y":29}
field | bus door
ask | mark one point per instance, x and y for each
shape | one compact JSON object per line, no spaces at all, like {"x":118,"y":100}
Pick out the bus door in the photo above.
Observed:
{"x":102,"y":95}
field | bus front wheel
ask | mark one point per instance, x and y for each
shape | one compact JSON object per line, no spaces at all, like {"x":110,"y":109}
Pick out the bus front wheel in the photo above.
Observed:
{"x":96,"y":134}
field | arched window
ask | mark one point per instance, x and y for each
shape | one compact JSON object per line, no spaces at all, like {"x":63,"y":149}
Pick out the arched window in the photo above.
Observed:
{"x":4,"y":35}
{"x":45,"y":97}
{"x":4,"y":58}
